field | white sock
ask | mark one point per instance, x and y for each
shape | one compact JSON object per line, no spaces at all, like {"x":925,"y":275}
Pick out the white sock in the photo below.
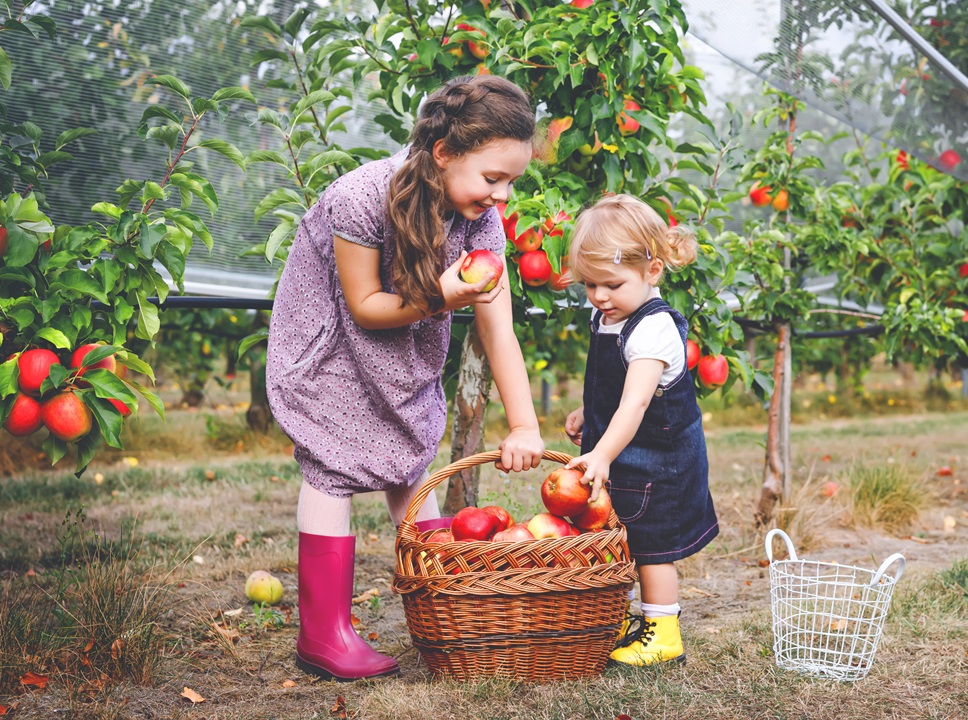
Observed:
{"x":322,"y":514}
{"x":657,"y":611}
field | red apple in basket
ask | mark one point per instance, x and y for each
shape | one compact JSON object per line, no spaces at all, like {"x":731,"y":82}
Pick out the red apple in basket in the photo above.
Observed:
{"x":546,"y":525}
{"x":503,"y":516}
{"x":480,"y":264}
{"x":595,"y":514}
{"x":472,"y":523}
{"x":441,"y":535}
{"x":563,"y":493}
{"x":515,"y":533}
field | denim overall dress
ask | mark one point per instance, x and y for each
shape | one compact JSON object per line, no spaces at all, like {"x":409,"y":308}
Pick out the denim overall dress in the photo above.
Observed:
{"x":659,"y":484}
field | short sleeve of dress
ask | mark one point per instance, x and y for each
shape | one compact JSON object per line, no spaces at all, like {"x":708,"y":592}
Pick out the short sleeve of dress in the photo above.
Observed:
{"x":486,"y":233}
{"x":357,"y":209}
{"x":657,"y":338}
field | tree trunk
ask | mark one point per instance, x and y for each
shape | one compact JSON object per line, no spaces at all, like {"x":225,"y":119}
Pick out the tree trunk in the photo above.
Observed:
{"x":258,"y":416}
{"x":774,"y":469}
{"x":467,"y":437}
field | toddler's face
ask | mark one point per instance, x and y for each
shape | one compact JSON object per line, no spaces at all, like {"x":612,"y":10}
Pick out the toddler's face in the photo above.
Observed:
{"x":479,"y":180}
{"x":618,"y":292}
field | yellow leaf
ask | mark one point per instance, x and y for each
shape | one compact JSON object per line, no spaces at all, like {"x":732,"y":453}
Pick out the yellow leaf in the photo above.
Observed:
{"x":192,"y":695}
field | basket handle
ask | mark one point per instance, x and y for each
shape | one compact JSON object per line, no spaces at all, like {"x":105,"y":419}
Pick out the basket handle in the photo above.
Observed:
{"x":786,"y":539}
{"x":896,"y":557}
{"x":455,"y":467}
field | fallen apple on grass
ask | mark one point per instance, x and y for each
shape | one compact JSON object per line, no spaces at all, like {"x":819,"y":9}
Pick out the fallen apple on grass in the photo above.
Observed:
{"x":263,"y":587}
{"x":481,"y":264}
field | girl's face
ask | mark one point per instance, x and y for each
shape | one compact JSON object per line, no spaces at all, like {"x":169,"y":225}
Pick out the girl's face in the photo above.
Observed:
{"x":479,"y":180}
{"x":620,"y":290}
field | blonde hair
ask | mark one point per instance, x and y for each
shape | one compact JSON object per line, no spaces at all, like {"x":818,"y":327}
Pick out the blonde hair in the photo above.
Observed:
{"x":621,"y":229}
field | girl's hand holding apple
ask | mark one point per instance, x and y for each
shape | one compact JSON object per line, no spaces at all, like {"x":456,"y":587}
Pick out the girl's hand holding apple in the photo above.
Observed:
{"x":459,"y":294}
{"x":596,"y":471}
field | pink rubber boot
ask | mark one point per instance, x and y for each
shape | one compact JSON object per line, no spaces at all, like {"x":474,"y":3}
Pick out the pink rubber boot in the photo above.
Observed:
{"x":328,"y":645}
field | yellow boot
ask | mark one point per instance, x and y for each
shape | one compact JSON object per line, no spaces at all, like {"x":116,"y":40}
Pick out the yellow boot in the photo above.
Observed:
{"x":646,"y":641}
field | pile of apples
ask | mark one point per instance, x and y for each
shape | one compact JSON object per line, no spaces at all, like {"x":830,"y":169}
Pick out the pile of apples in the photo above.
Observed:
{"x":62,"y":412}
{"x":569,"y":512}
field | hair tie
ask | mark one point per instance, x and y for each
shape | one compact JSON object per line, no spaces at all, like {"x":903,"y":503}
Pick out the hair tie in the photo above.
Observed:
{"x":618,"y":257}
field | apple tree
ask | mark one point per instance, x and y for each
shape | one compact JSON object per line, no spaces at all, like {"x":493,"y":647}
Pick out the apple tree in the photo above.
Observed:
{"x":607,"y":79}
{"x":72,"y":296}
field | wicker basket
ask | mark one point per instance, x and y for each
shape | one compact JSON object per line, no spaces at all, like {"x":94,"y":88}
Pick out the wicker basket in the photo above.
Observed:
{"x":534,"y":610}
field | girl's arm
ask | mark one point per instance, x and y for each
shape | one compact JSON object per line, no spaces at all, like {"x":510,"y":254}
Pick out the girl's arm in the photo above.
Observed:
{"x":640,"y":384}
{"x":522,"y":448}
{"x":358,"y":268}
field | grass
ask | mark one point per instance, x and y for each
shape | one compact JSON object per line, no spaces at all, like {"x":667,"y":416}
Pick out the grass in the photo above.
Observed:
{"x":185,"y":514}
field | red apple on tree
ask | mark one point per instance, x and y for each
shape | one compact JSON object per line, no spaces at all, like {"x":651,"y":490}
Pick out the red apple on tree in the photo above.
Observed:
{"x":692,"y":354}
{"x":546,"y":525}
{"x":760,"y":195}
{"x":628,"y":125}
{"x":509,"y":221}
{"x":34,"y":366}
{"x":24,"y":418}
{"x":503,"y":516}
{"x":535,"y":268}
{"x":3,"y":240}
{"x":581,"y":4}
{"x":949,"y":159}
{"x":563,"y":493}
{"x":596,"y":513}
{"x":480,"y":264}
{"x":66,"y":416}
{"x":472,"y":523}
{"x":963,"y":270}
{"x":123,"y":408}
{"x":108,"y":363}
{"x":529,"y":240}
{"x":713,"y":370}
{"x":477,"y":50}
{"x":515,"y":533}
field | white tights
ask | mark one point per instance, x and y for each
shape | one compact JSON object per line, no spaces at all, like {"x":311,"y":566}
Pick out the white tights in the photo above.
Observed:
{"x":322,"y":514}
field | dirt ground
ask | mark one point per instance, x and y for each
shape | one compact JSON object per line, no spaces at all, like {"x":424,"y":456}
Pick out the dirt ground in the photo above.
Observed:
{"x":229,"y":513}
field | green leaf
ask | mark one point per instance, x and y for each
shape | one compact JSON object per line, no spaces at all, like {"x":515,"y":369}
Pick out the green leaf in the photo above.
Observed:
{"x":318,"y":96}
{"x":295,"y":21}
{"x":54,"y":337}
{"x":6,"y":70}
{"x":225,"y":148}
{"x":266,"y":156}
{"x":106,"y":208}
{"x":148,"y":323}
{"x":108,"y":385}
{"x":172,"y":83}
{"x":54,"y":448}
{"x":69,"y":136}
{"x":263,"y":22}
{"x":45,"y":160}
{"x":107,"y":417}
{"x":8,"y":376}
{"x":133,"y":362}
{"x":251,"y":340}
{"x":151,"y":398}
{"x":78,"y":281}
{"x":87,"y":448}
{"x":233,"y":93}
{"x":156,"y":111}
{"x":278,"y":198}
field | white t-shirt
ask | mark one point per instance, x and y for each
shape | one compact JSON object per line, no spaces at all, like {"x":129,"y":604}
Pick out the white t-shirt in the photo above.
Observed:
{"x":656,"y":338}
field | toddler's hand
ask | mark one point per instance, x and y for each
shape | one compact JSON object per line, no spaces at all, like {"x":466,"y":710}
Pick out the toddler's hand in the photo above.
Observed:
{"x":573,"y":425}
{"x":596,"y":471}
{"x":459,"y":294}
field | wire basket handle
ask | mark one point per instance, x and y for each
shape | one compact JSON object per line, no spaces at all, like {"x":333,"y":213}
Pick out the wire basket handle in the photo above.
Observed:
{"x":896,"y":557}
{"x":786,"y":539}
{"x":408,"y":527}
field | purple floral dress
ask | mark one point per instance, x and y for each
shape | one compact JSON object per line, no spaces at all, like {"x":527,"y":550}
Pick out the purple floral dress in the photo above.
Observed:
{"x":365,"y":408}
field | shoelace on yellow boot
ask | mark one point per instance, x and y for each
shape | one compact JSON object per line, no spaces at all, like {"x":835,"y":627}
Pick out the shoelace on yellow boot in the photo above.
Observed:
{"x":646,"y":641}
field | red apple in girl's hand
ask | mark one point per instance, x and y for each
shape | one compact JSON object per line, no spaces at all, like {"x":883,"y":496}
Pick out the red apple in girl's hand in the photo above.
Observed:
{"x":563,"y":493}
{"x":596,"y":513}
{"x":480,"y":264}
{"x":692,"y":354}
{"x":34,"y":366}
{"x":24,"y":418}
{"x":546,"y":525}
{"x":515,"y":533}
{"x":502,"y":515}
{"x":472,"y":523}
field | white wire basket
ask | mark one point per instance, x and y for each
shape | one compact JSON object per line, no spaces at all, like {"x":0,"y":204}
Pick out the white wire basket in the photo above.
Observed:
{"x":827,"y":618}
